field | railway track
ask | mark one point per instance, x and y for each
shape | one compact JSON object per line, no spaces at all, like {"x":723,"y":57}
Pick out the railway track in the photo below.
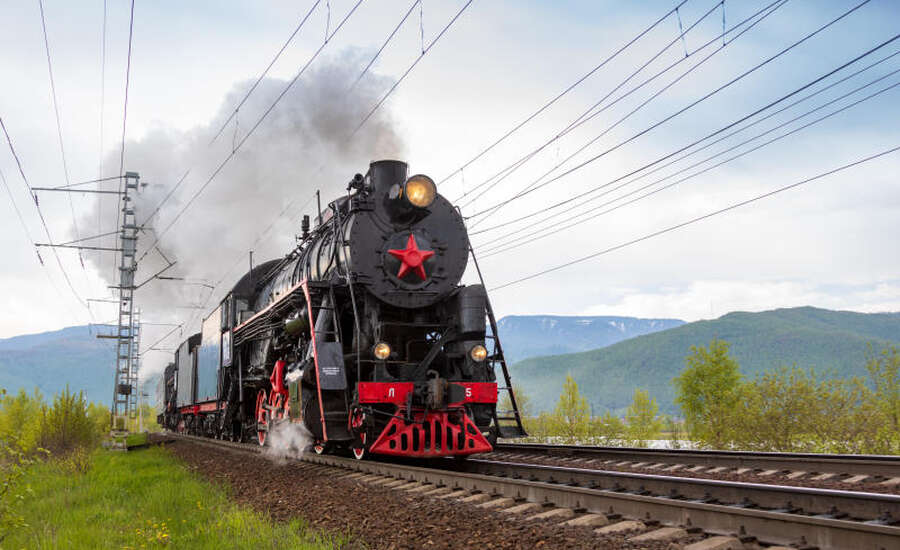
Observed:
{"x":654,"y":507}
{"x":846,"y":468}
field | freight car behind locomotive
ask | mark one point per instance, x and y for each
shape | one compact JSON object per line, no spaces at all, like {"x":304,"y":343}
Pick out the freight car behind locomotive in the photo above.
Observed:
{"x":362,"y":335}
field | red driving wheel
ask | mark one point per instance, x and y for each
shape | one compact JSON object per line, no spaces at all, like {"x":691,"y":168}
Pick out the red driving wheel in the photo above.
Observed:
{"x":262,"y":418}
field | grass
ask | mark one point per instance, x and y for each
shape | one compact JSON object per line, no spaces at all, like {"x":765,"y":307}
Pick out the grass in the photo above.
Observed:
{"x":135,"y":439}
{"x":143,"y":499}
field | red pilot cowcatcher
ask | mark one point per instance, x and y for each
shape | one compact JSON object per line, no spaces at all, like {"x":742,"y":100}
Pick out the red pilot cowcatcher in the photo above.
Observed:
{"x":412,"y":258}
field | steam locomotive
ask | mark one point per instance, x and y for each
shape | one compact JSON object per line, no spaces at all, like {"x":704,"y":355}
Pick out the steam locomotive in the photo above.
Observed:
{"x":362,"y":335}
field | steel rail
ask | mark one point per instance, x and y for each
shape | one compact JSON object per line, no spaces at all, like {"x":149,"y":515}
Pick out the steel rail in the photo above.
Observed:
{"x":630,"y":496}
{"x":874,"y":465}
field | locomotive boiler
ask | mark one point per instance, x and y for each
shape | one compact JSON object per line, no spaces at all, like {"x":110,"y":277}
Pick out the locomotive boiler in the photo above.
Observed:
{"x":362,"y":334}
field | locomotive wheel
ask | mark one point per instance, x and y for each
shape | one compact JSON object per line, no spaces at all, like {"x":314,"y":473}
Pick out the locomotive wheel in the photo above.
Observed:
{"x":321,"y":447}
{"x":262,"y":418}
{"x":359,"y":448}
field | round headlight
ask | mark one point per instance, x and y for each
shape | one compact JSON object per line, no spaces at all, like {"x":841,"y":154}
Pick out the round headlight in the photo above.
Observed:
{"x":420,"y":191}
{"x":478,"y":353}
{"x":382,"y":351}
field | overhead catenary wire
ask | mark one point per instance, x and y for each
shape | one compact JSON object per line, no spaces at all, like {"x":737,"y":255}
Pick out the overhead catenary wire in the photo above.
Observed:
{"x":698,"y":141}
{"x":249,"y":133}
{"x":41,"y":216}
{"x":697,"y":102}
{"x":385,"y":43}
{"x":590,"y":113}
{"x":562,"y":94}
{"x":31,"y":241}
{"x":266,"y":70}
{"x":410,"y":68}
{"x":698,"y":218}
{"x":62,"y":148}
{"x":698,"y":150}
{"x":527,"y":239}
{"x":27,"y":232}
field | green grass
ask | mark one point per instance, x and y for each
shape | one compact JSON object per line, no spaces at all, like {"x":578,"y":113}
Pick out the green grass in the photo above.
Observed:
{"x":144,"y":499}
{"x":135,"y":439}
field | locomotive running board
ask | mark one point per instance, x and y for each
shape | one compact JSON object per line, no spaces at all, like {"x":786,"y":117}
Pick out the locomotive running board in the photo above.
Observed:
{"x":517,"y":430}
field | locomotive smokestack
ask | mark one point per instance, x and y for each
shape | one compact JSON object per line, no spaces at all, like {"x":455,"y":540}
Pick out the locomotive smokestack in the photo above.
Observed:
{"x":385,"y":173}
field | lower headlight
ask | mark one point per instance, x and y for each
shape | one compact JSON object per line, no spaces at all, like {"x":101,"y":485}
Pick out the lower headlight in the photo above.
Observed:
{"x":382,"y":351}
{"x":478,"y":353}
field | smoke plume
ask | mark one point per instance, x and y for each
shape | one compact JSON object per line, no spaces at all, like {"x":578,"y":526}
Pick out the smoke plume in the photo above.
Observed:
{"x":304,"y":144}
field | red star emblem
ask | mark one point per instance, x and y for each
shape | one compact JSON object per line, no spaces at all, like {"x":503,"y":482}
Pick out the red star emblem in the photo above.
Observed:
{"x":412,"y":258}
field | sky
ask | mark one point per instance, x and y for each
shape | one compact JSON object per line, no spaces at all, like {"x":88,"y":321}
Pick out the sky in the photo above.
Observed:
{"x":829,"y":243}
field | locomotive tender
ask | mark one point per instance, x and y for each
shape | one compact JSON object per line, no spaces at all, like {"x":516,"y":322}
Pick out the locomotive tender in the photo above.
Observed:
{"x":362,"y":334}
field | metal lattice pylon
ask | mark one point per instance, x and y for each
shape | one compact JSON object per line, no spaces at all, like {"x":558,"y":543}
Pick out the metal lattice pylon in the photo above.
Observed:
{"x":127,"y":336}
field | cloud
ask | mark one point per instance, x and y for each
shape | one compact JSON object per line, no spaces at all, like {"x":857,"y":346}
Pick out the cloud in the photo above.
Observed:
{"x":712,"y":298}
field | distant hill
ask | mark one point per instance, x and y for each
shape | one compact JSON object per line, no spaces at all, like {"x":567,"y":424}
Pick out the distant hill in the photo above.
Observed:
{"x":49,"y":360}
{"x":834,"y":341}
{"x":533,"y":335}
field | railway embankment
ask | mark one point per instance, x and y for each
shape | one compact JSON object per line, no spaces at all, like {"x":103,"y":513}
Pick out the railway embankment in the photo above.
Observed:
{"x":142,"y":499}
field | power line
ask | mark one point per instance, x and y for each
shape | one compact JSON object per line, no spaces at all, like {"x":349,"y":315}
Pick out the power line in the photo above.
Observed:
{"x":384,"y":45}
{"x":250,"y":132}
{"x":542,"y":234}
{"x":21,"y":218}
{"x":699,"y":218}
{"x":690,"y":145}
{"x":40,"y":215}
{"x":698,"y":150}
{"x":265,"y":72}
{"x":410,"y":68}
{"x":559,"y":96}
{"x":588,"y":115}
{"x":62,"y":148}
{"x":698,"y":101}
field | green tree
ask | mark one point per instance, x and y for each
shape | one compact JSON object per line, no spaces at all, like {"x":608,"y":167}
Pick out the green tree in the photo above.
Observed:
{"x":523,"y":400}
{"x":608,"y":427}
{"x":66,"y":424}
{"x":572,"y":414}
{"x":20,"y":419}
{"x":707,"y":391}
{"x":884,"y":377}
{"x":642,"y":421}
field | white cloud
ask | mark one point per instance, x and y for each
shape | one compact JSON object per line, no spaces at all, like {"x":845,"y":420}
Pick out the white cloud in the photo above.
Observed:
{"x":713,"y":298}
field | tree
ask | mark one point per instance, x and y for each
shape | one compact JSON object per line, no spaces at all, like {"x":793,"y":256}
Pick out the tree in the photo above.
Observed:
{"x":642,"y":420}
{"x":707,"y":391}
{"x":884,"y":376}
{"x":572,"y":412}
{"x":608,"y":428}
{"x":523,"y":400}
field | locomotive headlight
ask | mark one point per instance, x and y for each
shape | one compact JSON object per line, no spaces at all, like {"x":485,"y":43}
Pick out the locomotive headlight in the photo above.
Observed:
{"x":478,"y":353}
{"x":382,"y":351}
{"x":420,"y":191}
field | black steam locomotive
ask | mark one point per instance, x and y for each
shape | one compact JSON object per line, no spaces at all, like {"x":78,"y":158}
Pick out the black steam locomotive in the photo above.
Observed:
{"x":362,"y":334}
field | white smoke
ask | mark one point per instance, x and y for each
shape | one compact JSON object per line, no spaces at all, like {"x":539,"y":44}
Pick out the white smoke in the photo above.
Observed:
{"x":305,"y":143}
{"x":287,"y":440}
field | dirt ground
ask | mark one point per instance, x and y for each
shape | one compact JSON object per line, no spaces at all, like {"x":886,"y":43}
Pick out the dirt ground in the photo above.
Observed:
{"x":375,"y":517}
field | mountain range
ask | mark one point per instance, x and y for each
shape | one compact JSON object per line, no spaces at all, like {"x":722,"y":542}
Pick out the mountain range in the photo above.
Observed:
{"x":834,"y":343}
{"x":50,"y":360}
{"x":533,"y":335}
